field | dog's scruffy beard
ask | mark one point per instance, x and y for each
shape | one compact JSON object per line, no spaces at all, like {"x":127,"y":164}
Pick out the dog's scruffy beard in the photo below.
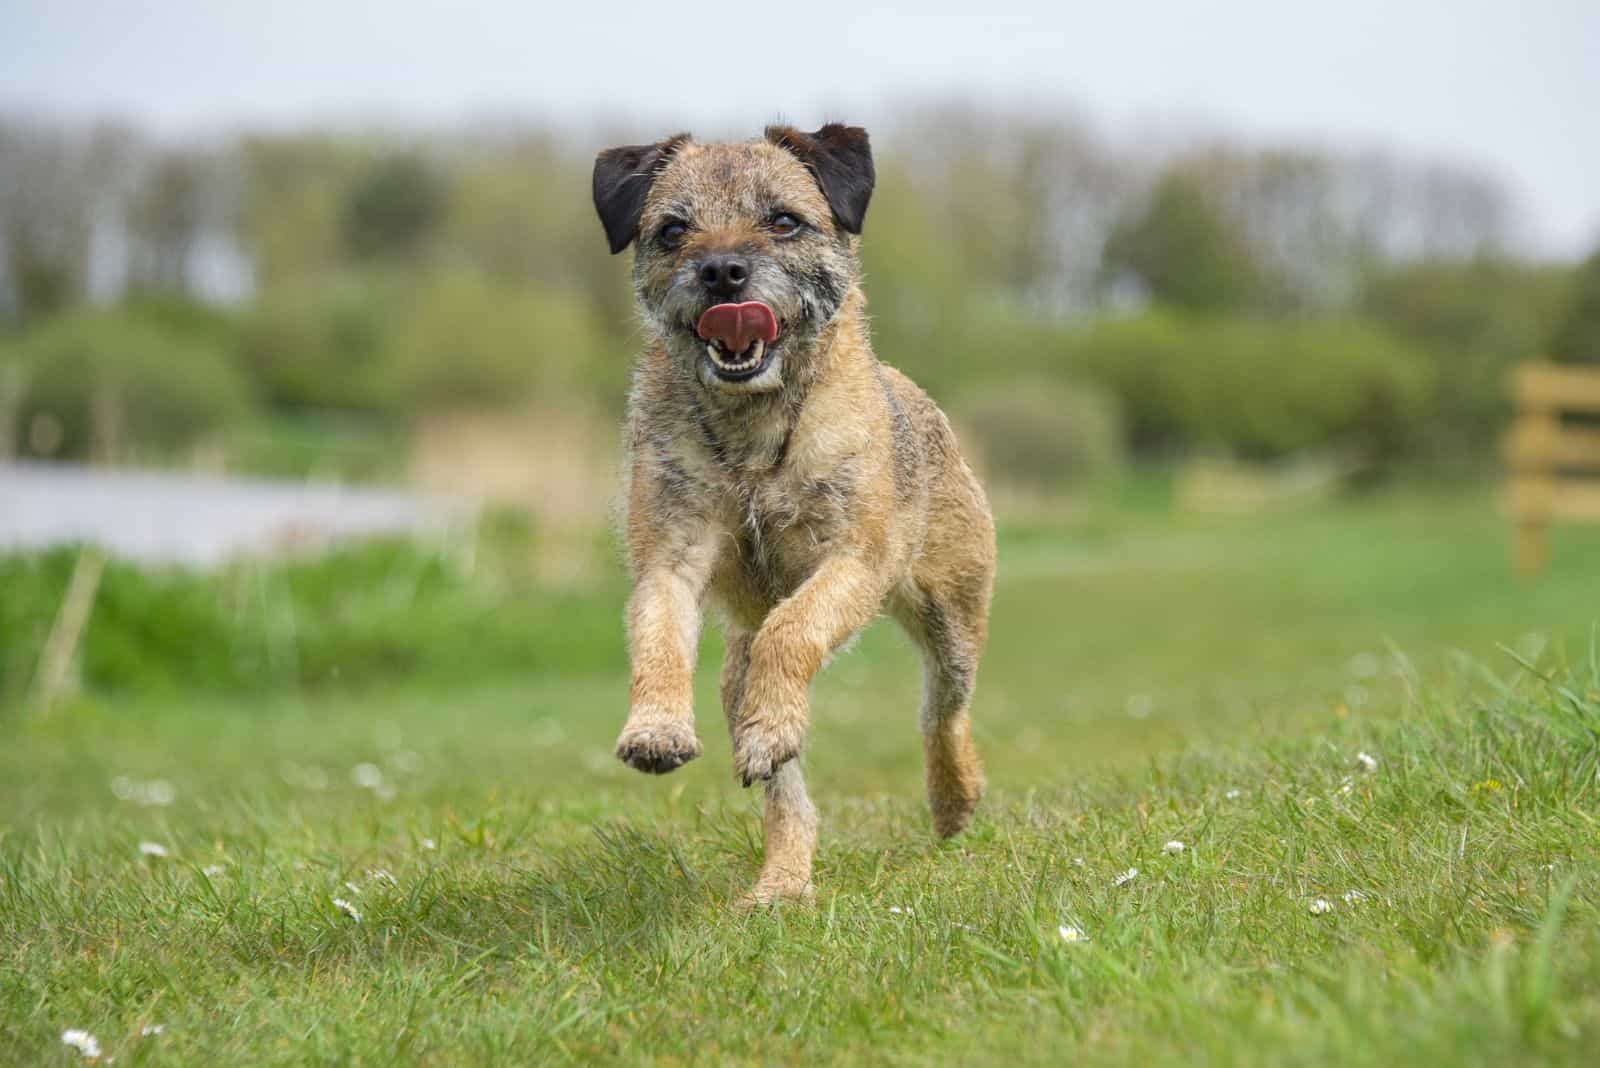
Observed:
{"x":805,"y":314}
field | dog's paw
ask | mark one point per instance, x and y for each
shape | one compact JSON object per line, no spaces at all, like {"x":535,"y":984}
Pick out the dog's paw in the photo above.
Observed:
{"x":762,"y":745}
{"x":773,"y":891}
{"x":658,"y":747}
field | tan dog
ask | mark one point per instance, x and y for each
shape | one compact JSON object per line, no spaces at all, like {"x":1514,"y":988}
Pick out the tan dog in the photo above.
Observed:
{"x":778,"y":470}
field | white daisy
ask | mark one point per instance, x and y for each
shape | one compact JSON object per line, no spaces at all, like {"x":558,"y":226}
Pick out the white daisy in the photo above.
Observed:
{"x":82,"y":1041}
{"x":151,"y":1030}
{"x":1232,"y":795}
{"x":898,"y":911}
{"x":1353,"y":897}
{"x":213,"y":871}
{"x":369,"y":776}
{"x":429,"y":843}
{"x":1363,"y":665}
{"x":1174,"y":847}
{"x":153,"y":849}
{"x":348,"y":909}
{"x":1366,"y":762}
{"x":1320,"y":906}
{"x":1071,"y":935}
{"x":1126,"y":877}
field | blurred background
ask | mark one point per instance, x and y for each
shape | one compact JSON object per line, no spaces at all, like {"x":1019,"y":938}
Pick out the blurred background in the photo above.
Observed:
{"x":1206,"y":293}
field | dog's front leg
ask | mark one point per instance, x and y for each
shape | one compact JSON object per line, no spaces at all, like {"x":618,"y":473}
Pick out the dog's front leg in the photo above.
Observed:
{"x":664,"y":616}
{"x":837,"y":600}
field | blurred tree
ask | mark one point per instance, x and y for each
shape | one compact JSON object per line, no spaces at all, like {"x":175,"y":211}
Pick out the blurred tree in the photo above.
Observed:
{"x":463,"y":268}
{"x":55,"y":184}
{"x":1023,"y":200}
{"x":1280,"y":202}
{"x":291,"y":218}
{"x":1316,"y":223}
{"x":1577,"y":336}
{"x":44,"y":283}
{"x":511,"y":215}
{"x":393,"y":211}
{"x":1474,"y":320}
{"x":164,"y":218}
{"x":1181,"y":251}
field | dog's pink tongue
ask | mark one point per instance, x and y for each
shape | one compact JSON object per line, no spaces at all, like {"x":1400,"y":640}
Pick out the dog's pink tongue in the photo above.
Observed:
{"x":738,"y":325}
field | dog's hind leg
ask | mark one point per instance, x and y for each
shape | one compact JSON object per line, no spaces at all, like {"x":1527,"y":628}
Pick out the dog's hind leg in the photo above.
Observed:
{"x":949,"y":624}
{"x":791,"y":819}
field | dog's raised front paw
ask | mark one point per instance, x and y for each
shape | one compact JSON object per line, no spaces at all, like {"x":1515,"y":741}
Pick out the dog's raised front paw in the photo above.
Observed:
{"x":761,"y":746}
{"x":658,"y":747}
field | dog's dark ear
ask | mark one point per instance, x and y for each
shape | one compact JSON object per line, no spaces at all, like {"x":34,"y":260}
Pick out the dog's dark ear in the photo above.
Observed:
{"x":622,"y":178}
{"x":841,"y":158}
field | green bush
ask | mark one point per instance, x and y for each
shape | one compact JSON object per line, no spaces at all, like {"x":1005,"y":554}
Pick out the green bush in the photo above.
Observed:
{"x":1259,"y":390}
{"x":394,"y":210}
{"x":466,"y":340}
{"x":396,"y":346}
{"x":1474,"y":320}
{"x":1577,"y":335}
{"x":323,"y":347}
{"x":383,"y":611}
{"x":1043,"y":436}
{"x":1183,"y":252}
{"x":116,"y":383}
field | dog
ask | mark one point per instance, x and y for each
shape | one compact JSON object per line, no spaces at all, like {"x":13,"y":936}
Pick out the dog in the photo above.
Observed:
{"x":779,"y":474}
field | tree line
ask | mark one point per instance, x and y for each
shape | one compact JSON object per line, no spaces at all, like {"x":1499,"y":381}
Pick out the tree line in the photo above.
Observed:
{"x":1200,"y":293}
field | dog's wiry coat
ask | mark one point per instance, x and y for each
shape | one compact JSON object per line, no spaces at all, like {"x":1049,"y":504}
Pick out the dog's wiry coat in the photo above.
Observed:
{"x":799,"y":503}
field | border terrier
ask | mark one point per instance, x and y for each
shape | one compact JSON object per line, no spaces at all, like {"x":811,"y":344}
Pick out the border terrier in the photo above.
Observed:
{"x":779,"y":473}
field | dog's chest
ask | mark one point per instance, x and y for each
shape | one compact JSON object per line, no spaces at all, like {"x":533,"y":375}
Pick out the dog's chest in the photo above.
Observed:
{"x":780,"y":497}
{"x":778,"y":528}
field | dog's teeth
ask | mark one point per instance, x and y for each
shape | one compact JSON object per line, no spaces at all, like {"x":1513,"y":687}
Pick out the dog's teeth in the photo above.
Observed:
{"x":728,"y":362}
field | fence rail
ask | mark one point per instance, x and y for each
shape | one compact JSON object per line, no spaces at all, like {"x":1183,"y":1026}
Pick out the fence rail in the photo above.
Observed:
{"x":1554,"y":461}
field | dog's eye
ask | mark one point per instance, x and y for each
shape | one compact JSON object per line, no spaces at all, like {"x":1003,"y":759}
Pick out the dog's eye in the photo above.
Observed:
{"x":671,"y":233}
{"x":783,"y":224}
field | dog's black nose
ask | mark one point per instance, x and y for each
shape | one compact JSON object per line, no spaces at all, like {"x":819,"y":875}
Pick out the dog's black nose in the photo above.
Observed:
{"x":725,"y":276}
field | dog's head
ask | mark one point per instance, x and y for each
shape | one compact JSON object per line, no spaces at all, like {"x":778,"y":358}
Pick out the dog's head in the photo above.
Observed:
{"x":744,"y":252}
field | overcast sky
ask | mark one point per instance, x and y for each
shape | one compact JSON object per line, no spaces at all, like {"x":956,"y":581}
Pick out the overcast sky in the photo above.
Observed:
{"x":1510,"y":86}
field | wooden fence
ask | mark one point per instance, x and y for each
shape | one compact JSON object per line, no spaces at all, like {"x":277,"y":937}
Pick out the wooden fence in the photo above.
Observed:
{"x":1554,"y":454}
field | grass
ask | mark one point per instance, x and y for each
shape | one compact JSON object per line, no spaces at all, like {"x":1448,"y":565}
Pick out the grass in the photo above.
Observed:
{"x":1205,"y":682}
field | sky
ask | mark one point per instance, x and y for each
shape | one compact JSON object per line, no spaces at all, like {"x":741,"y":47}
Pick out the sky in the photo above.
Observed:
{"x":1512,"y":87}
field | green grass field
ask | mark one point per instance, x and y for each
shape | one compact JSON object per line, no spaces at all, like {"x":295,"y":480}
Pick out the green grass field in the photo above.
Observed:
{"x":524,"y":898}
